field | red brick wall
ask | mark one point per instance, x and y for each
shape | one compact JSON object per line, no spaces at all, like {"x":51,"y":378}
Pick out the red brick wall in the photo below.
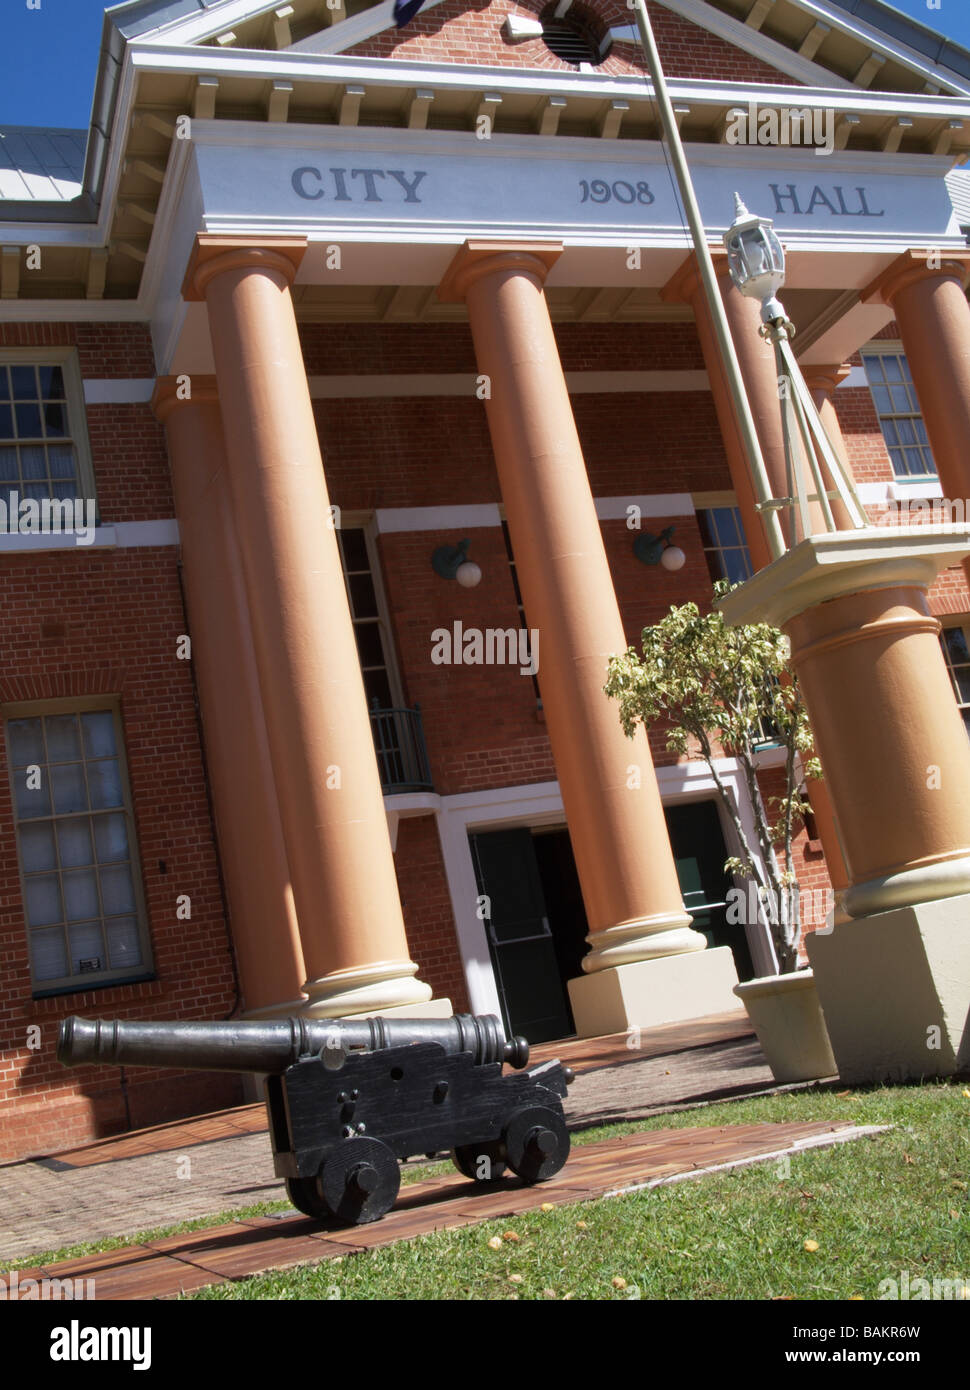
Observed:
{"x":459,"y":32}
{"x":104,"y":349}
{"x":122,"y":614}
{"x":427,"y":910}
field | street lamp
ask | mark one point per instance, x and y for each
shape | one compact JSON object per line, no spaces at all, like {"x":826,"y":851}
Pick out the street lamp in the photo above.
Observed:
{"x":756,"y":259}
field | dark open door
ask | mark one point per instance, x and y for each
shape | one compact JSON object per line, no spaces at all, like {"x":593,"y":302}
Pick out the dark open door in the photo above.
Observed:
{"x":520,"y":939}
{"x":697,"y":841}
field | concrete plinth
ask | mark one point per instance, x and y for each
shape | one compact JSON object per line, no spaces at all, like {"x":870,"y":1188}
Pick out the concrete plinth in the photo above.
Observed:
{"x":895,"y":991}
{"x":648,"y":992}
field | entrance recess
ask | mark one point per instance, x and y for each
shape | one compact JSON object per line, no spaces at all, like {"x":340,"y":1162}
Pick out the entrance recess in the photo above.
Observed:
{"x":533,"y":911}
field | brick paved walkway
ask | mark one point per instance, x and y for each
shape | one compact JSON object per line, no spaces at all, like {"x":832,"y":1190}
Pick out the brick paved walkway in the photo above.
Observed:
{"x":179,"y":1264}
{"x":215,"y":1163}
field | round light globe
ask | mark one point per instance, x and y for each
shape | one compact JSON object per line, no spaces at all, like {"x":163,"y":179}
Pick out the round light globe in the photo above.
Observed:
{"x":468,"y":574}
{"x":673,"y":558}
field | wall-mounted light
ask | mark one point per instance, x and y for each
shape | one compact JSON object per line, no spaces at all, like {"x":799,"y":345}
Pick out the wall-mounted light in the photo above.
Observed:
{"x":452,"y":562}
{"x":659,"y":550}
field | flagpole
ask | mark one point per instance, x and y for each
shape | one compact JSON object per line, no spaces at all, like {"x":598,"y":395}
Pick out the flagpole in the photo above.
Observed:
{"x":749,"y":433}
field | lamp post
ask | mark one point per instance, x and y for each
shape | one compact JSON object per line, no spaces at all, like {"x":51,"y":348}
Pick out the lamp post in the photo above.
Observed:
{"x":722,"y":329}
{"x":756,"y":260}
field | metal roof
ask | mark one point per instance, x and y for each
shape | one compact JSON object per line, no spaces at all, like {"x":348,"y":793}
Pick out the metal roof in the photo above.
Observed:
{"x":41,"y":164}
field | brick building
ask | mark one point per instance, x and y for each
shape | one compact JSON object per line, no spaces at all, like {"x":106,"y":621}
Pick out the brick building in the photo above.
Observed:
{"x":197,"y":676}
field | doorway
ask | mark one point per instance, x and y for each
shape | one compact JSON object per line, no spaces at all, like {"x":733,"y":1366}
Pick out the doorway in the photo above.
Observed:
{"x":535,"y":920}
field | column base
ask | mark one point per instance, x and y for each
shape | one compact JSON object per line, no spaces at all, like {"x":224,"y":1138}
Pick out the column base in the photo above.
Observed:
{"x":368,"y":989}
{"x":649,"y":992}
{"x":922,"y":883}
{"x":285,"y":1010}
{"x":645,"y":939}
{"x":895,"y":991}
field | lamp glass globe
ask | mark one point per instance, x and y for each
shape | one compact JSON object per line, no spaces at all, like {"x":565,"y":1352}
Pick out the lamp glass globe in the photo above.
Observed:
{"x":468,"y":574}
{"x":673,"y":558}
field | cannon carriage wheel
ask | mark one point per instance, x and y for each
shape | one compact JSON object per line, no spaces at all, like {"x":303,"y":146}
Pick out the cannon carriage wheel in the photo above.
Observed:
{"x":305,"y":1195}
{"x":358,"y":1183}
{"x":360,"y":1180}
{"x":536,"y":1143}
{"x":467,"y":1158}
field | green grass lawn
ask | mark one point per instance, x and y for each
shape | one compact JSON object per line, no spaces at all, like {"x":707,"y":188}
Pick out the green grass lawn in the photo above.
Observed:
{"x":874,"y":1207}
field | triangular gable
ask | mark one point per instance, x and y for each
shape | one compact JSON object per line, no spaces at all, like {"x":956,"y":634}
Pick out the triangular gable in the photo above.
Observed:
{"x":477,"y":33}
{"x":882,"y":37}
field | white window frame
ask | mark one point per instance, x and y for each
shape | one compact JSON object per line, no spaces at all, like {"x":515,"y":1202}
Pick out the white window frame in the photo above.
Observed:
{"x":893,"y":347}
{"x":964,"y":625}
{"x":713,"y":501}
{"x":77,"y":420}
{"x":80,"y":983}
{"x":367,"y":522}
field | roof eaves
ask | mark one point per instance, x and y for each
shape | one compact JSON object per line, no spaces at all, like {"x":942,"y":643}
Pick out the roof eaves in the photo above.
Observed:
{"x":899,"y":28}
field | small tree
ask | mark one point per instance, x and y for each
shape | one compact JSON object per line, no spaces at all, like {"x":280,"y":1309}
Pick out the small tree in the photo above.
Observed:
{"x":722,"y":688}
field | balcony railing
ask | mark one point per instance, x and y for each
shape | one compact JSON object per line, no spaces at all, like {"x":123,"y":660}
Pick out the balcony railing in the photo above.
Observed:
{"x":401,"y":753}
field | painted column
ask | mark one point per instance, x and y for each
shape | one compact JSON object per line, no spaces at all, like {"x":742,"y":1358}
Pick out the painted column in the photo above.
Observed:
{"x":823,"y":382}
{"x":895,"y":746}
{"x":934,"y":323}
{"x":686,"y":287}
{"x":324,"y":764}
{"x":265,"y":934}
{"x":630,"y":888}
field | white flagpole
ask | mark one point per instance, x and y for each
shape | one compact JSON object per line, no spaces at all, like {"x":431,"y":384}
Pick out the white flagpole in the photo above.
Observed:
{"x":749,"y":433}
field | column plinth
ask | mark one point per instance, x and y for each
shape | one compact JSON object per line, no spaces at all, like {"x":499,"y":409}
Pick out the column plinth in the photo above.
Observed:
{"x":619,"y":836}
{"x":318,"y":729}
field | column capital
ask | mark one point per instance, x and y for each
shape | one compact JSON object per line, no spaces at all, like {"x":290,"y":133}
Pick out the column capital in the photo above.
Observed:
{"x":478,"y":258}
{"x":825,"y":377}
{"x":214,"y":254}
{"x":185,"y":389}
{"x":685,"y":282}
{"x":911,"y":267}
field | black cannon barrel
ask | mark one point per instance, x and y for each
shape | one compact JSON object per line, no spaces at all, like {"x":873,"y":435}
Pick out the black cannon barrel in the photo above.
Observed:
{"x":272,"y":1046}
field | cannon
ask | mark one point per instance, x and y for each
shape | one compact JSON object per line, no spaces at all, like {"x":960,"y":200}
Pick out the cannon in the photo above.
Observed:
{"x":346,"y":1098}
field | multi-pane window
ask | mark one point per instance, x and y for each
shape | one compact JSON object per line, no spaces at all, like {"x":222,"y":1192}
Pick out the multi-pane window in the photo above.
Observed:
{"x":39,"y":454}
{"x":75,"y":834}
{"x":725,"y":546}
{"x":523,"y":620}
{"x":957,"y":654}
{"x":894,"y":396}
{"x":373,"y":646}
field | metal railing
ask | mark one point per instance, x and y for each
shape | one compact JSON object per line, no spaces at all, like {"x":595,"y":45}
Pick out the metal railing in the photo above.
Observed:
{"x":402,"y":756}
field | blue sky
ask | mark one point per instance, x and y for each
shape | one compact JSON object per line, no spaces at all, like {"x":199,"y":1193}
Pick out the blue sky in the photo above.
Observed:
{"x":50,"y":55}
